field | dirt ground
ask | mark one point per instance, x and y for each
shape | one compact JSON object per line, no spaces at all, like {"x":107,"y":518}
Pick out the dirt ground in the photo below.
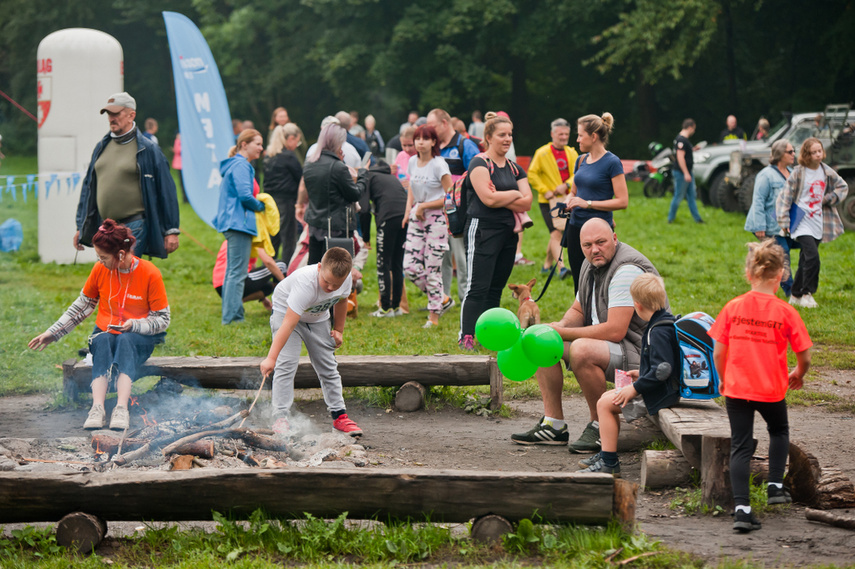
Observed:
{"x":453,"y":439}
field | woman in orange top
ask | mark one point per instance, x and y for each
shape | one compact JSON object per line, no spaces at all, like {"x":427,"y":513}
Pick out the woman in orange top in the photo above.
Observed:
{"x":133,"y":314}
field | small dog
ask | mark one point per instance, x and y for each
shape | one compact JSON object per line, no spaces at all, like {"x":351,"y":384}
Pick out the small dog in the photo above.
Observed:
{"x":528,"y":313}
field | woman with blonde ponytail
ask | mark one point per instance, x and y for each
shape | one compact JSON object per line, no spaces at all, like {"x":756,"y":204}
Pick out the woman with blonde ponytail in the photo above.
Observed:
{"x":599,"y":185}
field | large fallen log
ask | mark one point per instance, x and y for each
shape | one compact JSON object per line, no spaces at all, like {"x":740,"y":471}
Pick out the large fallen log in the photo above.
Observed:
{"x":443,"y":496}
{"x":815,"y":486}
{"x":243,"y":373}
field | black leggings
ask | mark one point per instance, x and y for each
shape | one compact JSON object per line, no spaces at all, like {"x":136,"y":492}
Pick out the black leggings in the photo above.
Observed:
{"x":490,"y":255}
{"x":741,"y":415}
{"x":575,"y":257}
{"x":806,"y":280}
{"x":391,"y":238}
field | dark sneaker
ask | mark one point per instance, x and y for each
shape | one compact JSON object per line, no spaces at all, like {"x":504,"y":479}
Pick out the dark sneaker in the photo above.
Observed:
{"x":743,"y":522}
{"x":446,"y":305}
{"x":775,"y":495}
{"x":588,"y":442}
{"x":542,"y":435}
{"x":347,"y":426}
{"x":564,"y":273}
{"x":586,"y":462}
{"x":600,"y":466}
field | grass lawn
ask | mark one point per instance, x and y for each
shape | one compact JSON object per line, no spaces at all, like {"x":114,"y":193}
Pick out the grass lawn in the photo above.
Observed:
{"x":701,"y":264}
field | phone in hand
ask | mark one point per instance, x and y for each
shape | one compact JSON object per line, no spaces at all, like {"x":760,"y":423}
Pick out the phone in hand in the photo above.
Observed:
{"x":114,"y":326}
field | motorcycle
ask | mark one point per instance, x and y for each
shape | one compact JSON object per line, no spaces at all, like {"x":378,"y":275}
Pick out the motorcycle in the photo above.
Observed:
{"x":660,"y":181}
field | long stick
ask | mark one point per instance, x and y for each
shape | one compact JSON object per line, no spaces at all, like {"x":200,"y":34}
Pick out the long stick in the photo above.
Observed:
{"x":260,"y":387}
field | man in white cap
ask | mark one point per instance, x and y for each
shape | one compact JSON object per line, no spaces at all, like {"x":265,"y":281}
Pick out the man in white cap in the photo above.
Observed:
{"x":128,"y":180}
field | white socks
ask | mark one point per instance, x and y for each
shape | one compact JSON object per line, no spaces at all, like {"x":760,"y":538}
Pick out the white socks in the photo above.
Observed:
{"x":556,"y":424}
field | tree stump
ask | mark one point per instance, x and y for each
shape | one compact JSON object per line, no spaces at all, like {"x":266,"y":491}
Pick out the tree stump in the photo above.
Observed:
{"x":664,"y":469}
{"x":490,"y":528}
{"x":624,"y":503}
{"x":813,"y":485}
{"x":80,"y":531}
{"x":410,"y":397}
{"x":715,"y":471}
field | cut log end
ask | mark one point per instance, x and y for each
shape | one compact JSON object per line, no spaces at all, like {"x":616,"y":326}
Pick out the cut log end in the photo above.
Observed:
{"x":490,"y":529}
{"x":410,"y":397}
{"x":80,"y":531}
{"x":664,"y":469}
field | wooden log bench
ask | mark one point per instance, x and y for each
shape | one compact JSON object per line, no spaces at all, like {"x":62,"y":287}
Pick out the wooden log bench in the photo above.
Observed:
{"x":441,"y":496}
{"x":356,"y":371}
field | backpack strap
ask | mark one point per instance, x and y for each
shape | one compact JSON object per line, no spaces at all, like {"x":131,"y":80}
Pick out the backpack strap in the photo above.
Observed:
{"x":676,"y":374}
{"x":578,"y":161}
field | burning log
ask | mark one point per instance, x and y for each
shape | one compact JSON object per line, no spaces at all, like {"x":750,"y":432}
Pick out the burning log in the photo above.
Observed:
{"x":181,"y":462}
{"x":251,"y":438}
{"x":203,"y":449}
{"x":102,"y":443}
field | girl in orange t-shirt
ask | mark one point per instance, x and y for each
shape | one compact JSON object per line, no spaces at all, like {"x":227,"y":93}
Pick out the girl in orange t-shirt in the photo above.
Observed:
{"x":752,"y":332}
{"x":133,"y":314}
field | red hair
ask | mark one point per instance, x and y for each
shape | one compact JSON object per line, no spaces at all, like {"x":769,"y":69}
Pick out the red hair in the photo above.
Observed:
{"x":426,"y":132}
{"x":112,"y":238}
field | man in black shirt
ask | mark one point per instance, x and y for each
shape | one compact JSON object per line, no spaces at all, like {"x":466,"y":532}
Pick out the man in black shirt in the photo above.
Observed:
{"x":684,"y":182}
{"x":732,"y":132}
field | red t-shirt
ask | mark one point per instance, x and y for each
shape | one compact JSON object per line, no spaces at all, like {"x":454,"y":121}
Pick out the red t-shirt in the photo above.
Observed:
{"x":561,"y":159}
{"x":756,"y":328}
{"x":125,"y":296}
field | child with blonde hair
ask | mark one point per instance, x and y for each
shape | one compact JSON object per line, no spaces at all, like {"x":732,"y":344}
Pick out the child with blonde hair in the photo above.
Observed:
{"x":752,"y":332}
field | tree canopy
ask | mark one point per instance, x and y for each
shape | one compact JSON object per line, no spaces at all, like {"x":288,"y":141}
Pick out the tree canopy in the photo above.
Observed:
{"x":651,"y":63}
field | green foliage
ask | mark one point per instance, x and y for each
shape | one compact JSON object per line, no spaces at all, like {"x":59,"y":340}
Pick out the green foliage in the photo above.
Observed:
{"x":660,"y":444}
{"x":38,"y":542}
{"x":689,"y":500}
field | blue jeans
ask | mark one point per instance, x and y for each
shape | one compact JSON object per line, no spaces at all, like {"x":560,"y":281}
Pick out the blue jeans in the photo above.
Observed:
{"x":126,"y":352}
{"x":682,"y":189}
{"x":140,"y":231}
{"x":786,"y":244}
{"x":239,"y":251}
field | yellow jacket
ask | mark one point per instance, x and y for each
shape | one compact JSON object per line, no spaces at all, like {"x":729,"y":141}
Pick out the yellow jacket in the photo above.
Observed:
{"x":266,"y":223}
{"x":543,"y":174}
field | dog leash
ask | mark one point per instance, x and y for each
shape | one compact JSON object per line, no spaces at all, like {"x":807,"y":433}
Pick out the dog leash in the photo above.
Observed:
{"x":549,"y":278}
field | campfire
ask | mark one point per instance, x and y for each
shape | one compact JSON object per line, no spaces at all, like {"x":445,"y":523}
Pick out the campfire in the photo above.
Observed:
{"x":196,"y":434}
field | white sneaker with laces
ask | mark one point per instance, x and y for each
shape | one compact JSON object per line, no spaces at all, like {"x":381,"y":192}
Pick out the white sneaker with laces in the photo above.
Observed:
{"x":120,"y":419}
{"x":796,"y":301}
{"x":96,"y":419}
{"x":808,"y":301}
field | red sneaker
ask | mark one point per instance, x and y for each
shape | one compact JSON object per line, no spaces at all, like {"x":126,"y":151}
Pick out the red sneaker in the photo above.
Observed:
{"x":281,"y":428}
{"x":347,"y":426}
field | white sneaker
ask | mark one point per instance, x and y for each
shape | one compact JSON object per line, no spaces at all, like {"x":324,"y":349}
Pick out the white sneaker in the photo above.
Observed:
{"x":96,"y":419}
{"x":808,"y":301}
{"x":380,"y":313}
{"x":399,"y":311}
{"x":120,"y":419}
{"x":796,"y":300}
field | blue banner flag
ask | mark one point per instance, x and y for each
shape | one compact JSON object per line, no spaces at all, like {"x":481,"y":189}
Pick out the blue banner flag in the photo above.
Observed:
{"x":203,"y":114}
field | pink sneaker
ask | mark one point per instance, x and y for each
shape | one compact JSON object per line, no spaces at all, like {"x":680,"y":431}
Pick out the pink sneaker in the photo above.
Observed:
{"x":281,"y":427}
{"x":467,"y":343}
{"x":347,"y":426}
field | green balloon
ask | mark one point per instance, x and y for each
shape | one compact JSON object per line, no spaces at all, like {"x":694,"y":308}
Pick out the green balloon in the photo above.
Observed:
{"x":542,"y":345}
{"x":497,"y":329}
{"x":514,"y":364}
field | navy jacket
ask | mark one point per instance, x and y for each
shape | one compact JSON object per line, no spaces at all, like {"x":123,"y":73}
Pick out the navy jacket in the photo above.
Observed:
{"x":658,"y":375}
{"x":158,"y":192}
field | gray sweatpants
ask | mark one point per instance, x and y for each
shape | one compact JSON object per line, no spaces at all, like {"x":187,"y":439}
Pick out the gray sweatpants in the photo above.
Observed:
{"x":321,"y":350}
{"x":458,"y":249}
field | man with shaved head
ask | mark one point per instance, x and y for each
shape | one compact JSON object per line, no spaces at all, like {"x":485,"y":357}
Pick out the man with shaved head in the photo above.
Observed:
{"x":601,"y":333}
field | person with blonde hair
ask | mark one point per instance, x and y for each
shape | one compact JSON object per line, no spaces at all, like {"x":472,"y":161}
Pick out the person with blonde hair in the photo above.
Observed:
{"x":598,"y":188}
{"x":751,"y":335}
{"x":815,"y":189}
{"x":235,"y":218}
{"x":282,"y":175}
{"x":500,"y":190}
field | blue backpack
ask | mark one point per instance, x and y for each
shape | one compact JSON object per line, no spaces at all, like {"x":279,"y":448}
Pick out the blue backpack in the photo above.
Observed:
{"x":698,"y":378}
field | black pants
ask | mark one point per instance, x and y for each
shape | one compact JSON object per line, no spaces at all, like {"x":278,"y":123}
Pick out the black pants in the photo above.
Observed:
{"x":806,"y":280}
{"x":391,"y":238}
{"x":575,"y":257}
{"x":365,"y":225}
{"x":288,"y":229}
{"x":490,"y":255}
{"x":741,"y":415}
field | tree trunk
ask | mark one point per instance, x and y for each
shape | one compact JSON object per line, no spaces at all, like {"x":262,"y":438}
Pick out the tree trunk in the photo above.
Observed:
{"x":664,"y":469}
{"x":715,"y":472}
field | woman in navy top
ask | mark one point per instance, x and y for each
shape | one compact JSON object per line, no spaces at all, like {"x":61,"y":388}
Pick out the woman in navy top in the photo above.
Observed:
{"x":599,"y":186}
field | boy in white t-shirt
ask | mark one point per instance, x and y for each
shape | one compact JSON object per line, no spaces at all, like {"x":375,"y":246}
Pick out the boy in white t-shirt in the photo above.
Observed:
{"x":301,"y":312}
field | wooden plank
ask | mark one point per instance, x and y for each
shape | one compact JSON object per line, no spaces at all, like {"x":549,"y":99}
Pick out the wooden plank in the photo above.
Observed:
{"x":449,"y":496}
{"x":243,"y":373}
{"x":686,"y":424}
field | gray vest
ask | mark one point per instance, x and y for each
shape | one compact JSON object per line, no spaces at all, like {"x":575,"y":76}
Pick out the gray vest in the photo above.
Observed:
{"x":624,"y":255}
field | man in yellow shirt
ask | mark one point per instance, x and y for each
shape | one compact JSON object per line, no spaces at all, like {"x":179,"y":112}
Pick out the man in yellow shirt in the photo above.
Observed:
{"x":551,"y":175}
